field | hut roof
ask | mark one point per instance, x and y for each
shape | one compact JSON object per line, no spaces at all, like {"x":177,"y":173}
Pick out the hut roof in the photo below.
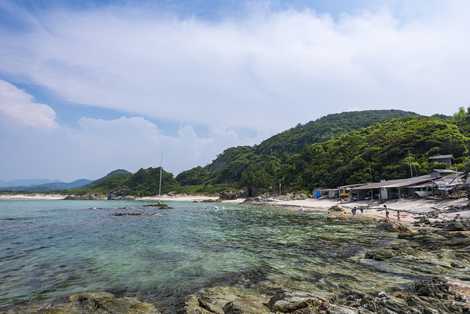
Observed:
{"x":395,"y":183}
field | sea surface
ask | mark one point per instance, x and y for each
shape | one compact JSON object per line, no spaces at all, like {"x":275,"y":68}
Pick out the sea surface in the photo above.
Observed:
{"x":49,"y":249}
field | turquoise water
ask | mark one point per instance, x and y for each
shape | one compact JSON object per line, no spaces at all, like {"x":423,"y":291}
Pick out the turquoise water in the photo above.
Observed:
{"x":49,"y":249}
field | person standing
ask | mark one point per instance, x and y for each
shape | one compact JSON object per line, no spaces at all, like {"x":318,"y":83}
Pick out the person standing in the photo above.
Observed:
{"x":387,"y":214}
{"x":398,"y":215}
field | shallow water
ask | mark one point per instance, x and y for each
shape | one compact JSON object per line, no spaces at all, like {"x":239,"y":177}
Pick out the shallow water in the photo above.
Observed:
{"x":49,"y":249}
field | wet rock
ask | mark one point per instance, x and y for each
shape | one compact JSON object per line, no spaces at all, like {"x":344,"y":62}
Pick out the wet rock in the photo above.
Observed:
{"x":128,"y":214}
{"x":223,"y":300}
{"x":293,"y":301}
{"x":337,"y":208}
{"x":337,"y":213}
{"x":394,"y":227}
{"x":85,"y":197}
{"x":92,"y":303}
{"x":159,"y":206}
{"x":380,"y":254}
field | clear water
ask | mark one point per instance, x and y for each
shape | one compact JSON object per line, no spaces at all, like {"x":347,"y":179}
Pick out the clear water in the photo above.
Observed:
{"x":49,"y":249}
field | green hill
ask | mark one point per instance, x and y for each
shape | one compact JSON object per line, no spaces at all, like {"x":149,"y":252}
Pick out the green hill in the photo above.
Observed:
{"x":144,"y":182}
{"x":111,"y":181}
{"x":382,"y":151}
{"x":295,"y":139}
{"x":260,"y":165}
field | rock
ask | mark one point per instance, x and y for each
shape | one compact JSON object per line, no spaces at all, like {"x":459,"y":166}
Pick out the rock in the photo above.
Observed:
{"x":394,"y":227}
{"x":337,"y":208}
{"x":292,"y":301}
{"x":457,"y":226}
{"x":229,"y":195}
{"x":223,"y":300}
{"x":86,"y":197}
{"x":128,"y":214}
{"x":337,"y":309}
{"x":433,"y":287}
{"x":159,"y":206}
{"x":92,"y":303}
{"x":380,"y":254}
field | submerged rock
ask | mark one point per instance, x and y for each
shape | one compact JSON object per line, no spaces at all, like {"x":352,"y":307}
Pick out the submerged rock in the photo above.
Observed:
{"x":159,"y":206}
{"x":128,"y":214}
{"x":93,"y":303}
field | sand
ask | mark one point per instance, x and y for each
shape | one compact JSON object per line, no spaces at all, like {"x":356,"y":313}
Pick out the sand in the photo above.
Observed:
{"x":410,"y":209}
{"x":37,"y":196}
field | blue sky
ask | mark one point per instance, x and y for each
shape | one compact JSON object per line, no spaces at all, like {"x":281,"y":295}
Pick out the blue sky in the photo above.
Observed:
{"x":90,"y":86}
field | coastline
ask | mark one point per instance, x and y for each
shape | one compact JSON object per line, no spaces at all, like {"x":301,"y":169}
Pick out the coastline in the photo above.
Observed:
{"x":410,"y":210}
{"x":35,"y":197}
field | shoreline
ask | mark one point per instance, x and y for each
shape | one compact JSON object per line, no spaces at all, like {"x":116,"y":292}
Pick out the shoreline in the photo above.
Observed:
{"x":410,"y":209}
{"x":33,"y":196}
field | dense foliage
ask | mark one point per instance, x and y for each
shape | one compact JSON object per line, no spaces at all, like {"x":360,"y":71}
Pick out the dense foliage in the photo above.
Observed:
{"x":387,"y":150}
{"x":268,"y":166}
{"x":339,"y":149}
{"x":295,"y":139}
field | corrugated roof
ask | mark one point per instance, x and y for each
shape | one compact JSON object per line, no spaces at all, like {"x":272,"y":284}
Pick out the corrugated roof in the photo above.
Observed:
{"x":395,"y":183}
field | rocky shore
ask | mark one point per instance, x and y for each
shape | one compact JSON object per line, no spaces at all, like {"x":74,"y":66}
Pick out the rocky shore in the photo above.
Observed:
{"x":430,"y":246}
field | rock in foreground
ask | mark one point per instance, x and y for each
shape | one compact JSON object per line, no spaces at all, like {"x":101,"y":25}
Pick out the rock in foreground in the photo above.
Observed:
{"x":96,"y":303}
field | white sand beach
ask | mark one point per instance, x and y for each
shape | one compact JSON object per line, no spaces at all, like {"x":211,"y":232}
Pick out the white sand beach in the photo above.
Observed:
{"x":409,"y":208}
{"x":37,"y":196}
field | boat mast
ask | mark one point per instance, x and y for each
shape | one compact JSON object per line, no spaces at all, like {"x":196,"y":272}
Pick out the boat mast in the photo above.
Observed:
{"x":161,"y":173}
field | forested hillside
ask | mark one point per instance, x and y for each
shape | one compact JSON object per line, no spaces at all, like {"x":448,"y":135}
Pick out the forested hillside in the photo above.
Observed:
{"x":261,"y":165}
{"x":386,"y":150}
{"x":346,"y":148}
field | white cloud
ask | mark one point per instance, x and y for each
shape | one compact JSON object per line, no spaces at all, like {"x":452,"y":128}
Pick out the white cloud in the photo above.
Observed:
{"x":98,"y":146}
{"x":267,"y":71}
{"x":19,"y":107}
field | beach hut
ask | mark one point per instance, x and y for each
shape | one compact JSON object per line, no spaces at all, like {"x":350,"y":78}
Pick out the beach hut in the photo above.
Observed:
{"x":390,"y":189}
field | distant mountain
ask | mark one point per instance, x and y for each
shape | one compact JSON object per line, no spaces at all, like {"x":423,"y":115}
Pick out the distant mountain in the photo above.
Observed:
{"x":48,"y":187}
{"x":24,"y":182}
{"x":144,"y":182}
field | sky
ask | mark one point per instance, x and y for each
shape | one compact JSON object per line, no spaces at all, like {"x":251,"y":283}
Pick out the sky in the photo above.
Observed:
{"x":87,"y":87}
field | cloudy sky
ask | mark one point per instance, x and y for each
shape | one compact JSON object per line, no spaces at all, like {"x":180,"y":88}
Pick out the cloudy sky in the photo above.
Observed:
{"x":90,"y":86}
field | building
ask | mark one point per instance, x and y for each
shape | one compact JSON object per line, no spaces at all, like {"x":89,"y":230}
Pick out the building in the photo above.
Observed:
{"x":442,"y":159}
{"x":391,"y":189}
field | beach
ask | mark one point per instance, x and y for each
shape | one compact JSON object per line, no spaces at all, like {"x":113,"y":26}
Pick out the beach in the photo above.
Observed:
{"x":36,"y":197}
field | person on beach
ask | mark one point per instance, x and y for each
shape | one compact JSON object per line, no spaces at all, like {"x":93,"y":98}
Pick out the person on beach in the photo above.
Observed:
{"x":361,"y":209}
{"x":387,"y":214}
{"x":398,"y":215}
{"x":353,"y":211}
